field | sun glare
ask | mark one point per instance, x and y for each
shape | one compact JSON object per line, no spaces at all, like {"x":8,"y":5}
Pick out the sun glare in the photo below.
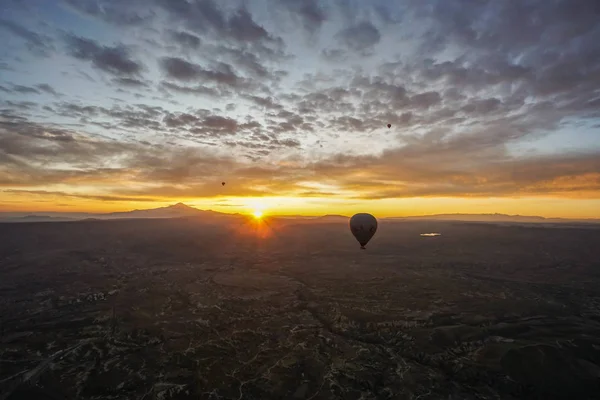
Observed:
{"x":257,"y":214}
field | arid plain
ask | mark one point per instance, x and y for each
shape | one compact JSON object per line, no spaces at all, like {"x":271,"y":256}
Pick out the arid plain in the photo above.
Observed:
{"x":182,"y":309}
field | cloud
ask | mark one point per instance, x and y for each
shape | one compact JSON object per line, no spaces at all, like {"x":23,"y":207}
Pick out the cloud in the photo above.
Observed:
{"x":216,"y":126}
{"x":48,"y":89}
{"x":425,"y":100}
{"x":33,"y":154}
{"x":482,"y":106}
{"x":129,"y":82}
{"x":4,"y":66}
{"x":204,"y":16}
{"x":311,"y":13}
{"x":45,"y":193}
{"x":38,"y":43}
{"x":436,"y":165}
{"x":138,"y":116}
{"x":286,"y":142}
{"x":265,"y":102}
{"x":360,"y":37}
{"x":114,"y":60}
{"x":37,"y":89}
{"x":21,"y":105}
{"x":173,"y":121}
{"x":199,"y":17}
{"x":243,"y":27}
{"x":182,"y":70}
{"x":193,"y":90}
{"x":248,"y":61}
{"x":197,"y":124}
{"x":534,"y":24}
{"x":557,"y":55}
{"x":113,"y":12}
{"x":24,"y":89}
{"x":186,"y":40}
{"x":334,"y":54}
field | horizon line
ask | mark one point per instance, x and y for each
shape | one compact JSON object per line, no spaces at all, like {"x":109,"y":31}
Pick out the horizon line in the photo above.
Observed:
{"x":275,"y":215}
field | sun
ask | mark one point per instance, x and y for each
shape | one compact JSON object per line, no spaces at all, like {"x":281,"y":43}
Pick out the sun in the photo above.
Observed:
{"x":257,"y":214}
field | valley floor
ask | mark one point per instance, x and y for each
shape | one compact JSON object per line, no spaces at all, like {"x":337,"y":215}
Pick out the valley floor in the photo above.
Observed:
{"x":173,"y":309}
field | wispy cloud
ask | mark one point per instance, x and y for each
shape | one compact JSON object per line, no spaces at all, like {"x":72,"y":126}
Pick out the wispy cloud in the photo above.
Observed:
{"x":115,"y":60}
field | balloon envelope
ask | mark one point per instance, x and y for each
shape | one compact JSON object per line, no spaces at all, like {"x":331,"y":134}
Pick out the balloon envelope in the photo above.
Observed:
{"x":223,"y":183}
{"x":389,"y":125}
{"x":363,"y":226}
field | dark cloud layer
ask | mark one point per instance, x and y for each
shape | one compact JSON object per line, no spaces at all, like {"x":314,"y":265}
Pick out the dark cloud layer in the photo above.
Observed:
{"x":192,"y":90}
{"x":44,"y":87}
{"x":186,"y":40}
{"x":130,"y":82}
{"x":115,"y":60}
{"x":205,"y":16}
{"x":182,"y":70}
{"x":359,"y":37}
{"x":312,"y":13}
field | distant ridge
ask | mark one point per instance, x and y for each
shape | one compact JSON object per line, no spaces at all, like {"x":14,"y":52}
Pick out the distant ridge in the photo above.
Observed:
{"x":493,"y":218}
{"x":178,"y":210}
{"x":174,"y":211}
{"x":327,"y":217}
{"x":36,"y":218}
{"x":181,"y":210}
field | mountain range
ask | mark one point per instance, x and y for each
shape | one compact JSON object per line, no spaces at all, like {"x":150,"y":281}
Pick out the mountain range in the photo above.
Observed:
{"x":181,"y":210}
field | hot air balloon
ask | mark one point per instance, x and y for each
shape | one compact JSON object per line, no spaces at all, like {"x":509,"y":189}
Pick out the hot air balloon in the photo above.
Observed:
{"x":222,"y":183}
{"x":363,"y":226}
{"x":389,"y":125}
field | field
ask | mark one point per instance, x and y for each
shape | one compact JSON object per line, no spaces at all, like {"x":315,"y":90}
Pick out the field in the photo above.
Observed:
{"x":178,"y":309}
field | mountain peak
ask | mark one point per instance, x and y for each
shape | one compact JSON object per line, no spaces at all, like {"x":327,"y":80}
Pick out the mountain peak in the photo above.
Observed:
{"x":180,"y":206}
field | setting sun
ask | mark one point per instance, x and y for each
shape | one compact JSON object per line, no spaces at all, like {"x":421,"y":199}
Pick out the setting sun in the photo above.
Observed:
{"x":257,"y":214}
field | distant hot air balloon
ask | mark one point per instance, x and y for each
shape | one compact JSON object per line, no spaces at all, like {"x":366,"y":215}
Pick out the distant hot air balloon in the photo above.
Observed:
{"x":222,"y":183}
{"x":389,"y":125}
{"x":363,"y":226}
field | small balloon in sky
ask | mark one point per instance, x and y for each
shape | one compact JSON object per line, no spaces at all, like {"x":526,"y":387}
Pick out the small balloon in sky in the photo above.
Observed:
{"x":363,"y":226}
{"x":222,"y":183}
{"x":389,"y":125}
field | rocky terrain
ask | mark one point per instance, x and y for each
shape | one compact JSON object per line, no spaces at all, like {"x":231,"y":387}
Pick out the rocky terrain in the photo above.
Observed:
{"x":178,"y":309}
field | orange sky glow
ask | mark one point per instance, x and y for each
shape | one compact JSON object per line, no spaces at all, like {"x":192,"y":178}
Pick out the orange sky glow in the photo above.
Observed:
{"x":271,"y":205}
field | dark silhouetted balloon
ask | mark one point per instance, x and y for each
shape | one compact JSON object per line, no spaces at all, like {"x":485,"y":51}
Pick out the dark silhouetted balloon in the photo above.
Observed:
{"x":222,"y":183}
{"x":389,"y":125}
{"x":363,"y":226}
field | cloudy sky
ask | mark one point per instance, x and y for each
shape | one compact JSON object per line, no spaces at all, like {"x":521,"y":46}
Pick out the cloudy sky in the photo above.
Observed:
{"x":113,"y":105}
